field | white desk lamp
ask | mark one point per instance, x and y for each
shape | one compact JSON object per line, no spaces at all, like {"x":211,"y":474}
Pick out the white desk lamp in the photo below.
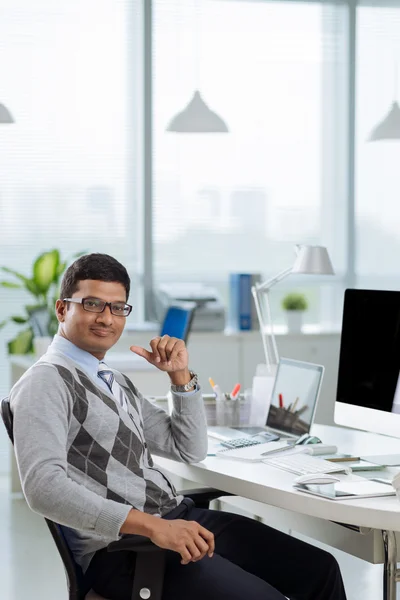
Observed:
{"x":310,"y":260}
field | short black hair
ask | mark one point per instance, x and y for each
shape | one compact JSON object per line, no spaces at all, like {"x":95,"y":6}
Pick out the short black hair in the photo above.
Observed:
{"x":100,"y":267}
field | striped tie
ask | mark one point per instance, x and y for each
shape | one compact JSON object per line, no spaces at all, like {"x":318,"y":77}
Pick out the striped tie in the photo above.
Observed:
{"x":108,"y":377}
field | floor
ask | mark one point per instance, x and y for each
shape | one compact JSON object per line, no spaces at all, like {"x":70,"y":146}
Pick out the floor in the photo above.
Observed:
{"x":31,"y":570}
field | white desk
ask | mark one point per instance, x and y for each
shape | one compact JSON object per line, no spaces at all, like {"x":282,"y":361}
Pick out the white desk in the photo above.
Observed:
{"x":373,"y":522}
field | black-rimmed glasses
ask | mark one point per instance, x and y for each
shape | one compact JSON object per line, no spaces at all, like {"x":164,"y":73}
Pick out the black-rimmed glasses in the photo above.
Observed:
{"x":95,"y":305}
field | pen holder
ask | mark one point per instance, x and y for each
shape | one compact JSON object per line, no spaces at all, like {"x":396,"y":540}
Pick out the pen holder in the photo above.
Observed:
{"x":231,"y":413}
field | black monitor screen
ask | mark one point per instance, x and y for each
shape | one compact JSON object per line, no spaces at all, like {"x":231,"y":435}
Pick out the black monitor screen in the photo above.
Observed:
{"x":370,"y":350}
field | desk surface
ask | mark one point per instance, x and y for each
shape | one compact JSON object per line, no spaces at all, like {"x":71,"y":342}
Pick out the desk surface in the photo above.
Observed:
{"x":266,"y":484}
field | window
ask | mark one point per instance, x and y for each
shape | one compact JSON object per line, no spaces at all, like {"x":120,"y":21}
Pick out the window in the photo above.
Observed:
{"x":276,"y":73}
{"x":69,"y":174}
{"x":377,"y":163}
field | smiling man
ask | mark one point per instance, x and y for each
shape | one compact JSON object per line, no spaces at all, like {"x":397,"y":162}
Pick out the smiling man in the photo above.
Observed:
{"x":84,"y":438}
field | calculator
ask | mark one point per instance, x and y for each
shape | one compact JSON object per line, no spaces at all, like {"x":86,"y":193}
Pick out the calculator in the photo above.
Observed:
{"x":259,"y":438}
{"x":240,"y":443}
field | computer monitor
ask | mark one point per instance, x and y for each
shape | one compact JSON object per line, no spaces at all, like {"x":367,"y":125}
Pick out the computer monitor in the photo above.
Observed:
{"x":368,"y":387}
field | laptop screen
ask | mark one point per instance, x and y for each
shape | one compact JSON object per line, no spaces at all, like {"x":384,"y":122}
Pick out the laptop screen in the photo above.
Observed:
{"x":294,"y":397}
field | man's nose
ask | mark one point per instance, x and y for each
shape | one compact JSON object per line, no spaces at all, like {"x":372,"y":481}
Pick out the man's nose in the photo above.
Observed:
{"x":106,"y":316}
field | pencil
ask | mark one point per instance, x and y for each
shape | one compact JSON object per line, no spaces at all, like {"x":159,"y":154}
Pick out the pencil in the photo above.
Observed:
{"x":343,"y":459}
{"x":294,"y":405}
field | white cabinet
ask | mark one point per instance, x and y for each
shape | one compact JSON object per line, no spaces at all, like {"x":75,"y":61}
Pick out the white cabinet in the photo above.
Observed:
{"x":210,"y":355}
{"x":229,"y":359}
{"x":322,"y":349}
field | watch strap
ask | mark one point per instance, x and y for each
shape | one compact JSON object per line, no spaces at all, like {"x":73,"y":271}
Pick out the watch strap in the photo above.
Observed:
{"x":188,"y":386}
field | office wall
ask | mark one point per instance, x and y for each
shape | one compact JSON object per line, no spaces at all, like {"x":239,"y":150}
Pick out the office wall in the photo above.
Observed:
{"x":229,"y":359}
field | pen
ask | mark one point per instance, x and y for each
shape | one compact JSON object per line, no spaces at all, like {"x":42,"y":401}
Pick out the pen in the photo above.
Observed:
{"x":280,"y":401}
{"x":343,"y":459}
{"x":235,"y":391}
{"x":292,"y":409}
{"x":218,"y":392}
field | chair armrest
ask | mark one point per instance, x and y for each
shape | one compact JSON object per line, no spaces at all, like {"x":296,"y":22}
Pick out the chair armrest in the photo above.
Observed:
{"x":202,"y":495}
{"x":136,"y":543}
{"x":140,"y":543}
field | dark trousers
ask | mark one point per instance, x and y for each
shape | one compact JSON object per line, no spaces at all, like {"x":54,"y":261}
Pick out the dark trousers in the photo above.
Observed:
{"x":251,"y":561}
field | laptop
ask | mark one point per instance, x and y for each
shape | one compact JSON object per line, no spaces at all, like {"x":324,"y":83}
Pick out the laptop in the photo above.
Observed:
{"x":293,"y":403}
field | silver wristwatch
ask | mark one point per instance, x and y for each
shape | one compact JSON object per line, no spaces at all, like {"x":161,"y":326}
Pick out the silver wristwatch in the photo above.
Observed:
{"x":188,"y":386}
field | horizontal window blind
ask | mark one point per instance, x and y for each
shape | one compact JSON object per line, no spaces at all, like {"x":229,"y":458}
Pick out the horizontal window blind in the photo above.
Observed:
{"x":377,"y":162}
{"x":68,"y":171}
{"x":274,"y":72}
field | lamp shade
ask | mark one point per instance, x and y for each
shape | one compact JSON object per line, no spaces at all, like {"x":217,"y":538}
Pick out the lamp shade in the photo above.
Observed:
{"x":196,"y":117}
{"x":5,"y":115}
{"x":313,"y":260}
{"x":389,"y":128}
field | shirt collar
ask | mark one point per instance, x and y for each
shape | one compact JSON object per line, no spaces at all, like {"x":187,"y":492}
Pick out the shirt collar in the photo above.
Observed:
{"x":85,"y":360}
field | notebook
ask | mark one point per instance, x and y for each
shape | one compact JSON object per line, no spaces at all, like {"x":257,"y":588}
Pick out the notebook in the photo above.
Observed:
{"x":258,"y":452}
{"x":293,"y":403}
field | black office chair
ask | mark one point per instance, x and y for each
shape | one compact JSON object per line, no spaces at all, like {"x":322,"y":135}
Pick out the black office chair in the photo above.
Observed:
{"x":150,"y":559}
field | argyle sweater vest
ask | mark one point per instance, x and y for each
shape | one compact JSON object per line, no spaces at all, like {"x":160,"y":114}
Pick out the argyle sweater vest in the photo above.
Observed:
{"x":108,"y":448}
{"x":65,"y":423}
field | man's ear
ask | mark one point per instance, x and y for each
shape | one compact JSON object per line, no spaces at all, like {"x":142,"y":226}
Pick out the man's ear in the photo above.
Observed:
{"x":61,"y":308}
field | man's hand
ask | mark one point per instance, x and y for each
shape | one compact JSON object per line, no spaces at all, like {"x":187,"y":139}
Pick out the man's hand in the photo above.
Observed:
{"x":188,"y":538}
{"x":168,"y":354}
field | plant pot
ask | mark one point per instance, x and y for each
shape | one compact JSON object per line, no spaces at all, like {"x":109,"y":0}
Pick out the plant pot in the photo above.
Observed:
{"x":294,"y":320}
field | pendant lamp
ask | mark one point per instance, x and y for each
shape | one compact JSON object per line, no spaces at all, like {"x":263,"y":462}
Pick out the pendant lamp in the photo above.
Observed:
{"x":197,"y":117}
{"x":389,"y":127}
{"x":5,"y":115}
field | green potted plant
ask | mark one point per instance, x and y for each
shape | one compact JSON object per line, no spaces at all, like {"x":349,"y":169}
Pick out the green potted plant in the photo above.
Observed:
{"x":39,"y":317}
{"x":294,"y":304}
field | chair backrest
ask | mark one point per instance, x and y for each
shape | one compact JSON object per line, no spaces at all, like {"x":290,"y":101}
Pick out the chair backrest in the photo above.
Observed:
{"x":75,"y":580}
{"x":7,"y":418}
{"x":178,"y":321}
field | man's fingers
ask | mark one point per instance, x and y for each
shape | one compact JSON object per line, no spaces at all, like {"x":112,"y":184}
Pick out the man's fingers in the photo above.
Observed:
{"x":154,"y":346}
{"x":209,"y":537}
{"x":161,"y":347}
{"x":186,"y":556}
{"x":169,"y":347}
{"x":142,"y":352}
{"x":195,"y":553}
{"x":202,"y":547}
{"x":177,"y":347}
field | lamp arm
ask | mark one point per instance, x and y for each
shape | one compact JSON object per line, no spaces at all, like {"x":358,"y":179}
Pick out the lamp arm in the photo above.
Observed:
{"x":275,"y":354}
{"x":270,"y":282}
{"x":260,"y":316}
{"x":260,"y":293}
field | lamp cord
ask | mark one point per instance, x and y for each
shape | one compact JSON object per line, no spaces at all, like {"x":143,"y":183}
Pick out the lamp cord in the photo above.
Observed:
{"x":196,"y":43}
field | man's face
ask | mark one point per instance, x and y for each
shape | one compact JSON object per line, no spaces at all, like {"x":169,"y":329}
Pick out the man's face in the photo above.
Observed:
{"x":94,"y":332}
